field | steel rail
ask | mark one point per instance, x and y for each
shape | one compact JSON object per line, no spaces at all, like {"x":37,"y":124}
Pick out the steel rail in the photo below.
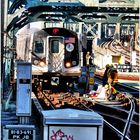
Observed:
{"x":123,"y":134}
{"x":49,"y":101}
{"x":110,"y":125}
{"x":130,"y":116}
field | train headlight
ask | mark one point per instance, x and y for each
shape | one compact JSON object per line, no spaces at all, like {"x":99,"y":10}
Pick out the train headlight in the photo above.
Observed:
{"x":69,"y":47}
{"x":68,"y":64}
{"x":36,"y":62}
{"x":41,"y":63}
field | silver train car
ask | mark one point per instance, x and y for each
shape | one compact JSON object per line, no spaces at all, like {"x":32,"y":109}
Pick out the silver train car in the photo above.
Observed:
{"x":55,"y":54}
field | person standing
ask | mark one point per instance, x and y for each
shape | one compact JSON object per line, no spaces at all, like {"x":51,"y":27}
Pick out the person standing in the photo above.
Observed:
{"x":105,"y":76}
{"x":110,"y":77}
{"x":89,"y":59}
{"x":88,"y":56}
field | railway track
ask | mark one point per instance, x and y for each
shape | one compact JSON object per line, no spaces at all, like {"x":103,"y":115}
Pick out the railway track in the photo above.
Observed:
{"x":121,"y":118}
{"x":132,"y":91}
{"x":112,"y":46}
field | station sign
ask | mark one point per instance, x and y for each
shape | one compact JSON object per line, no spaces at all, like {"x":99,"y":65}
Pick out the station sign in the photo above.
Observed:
{"x":18,"y":132}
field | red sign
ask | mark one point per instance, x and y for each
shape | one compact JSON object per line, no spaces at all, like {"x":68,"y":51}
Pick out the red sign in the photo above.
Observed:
{"x":55,"y":31}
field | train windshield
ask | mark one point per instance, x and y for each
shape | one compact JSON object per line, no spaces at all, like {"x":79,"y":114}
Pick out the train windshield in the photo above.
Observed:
{"x":54,"y":46}
{"x":39,"y":46}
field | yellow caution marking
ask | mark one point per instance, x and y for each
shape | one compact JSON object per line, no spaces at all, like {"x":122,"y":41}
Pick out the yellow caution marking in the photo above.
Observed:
{"x":91,"y":81}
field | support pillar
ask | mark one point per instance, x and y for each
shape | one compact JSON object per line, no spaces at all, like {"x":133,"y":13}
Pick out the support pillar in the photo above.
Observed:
{"x":105,"y":30}
{"x":117,"y":32}
{"x":4,"y":43}
{"x":99,"y":30}
{"x":136,"y":35}
{"x":80,"y":51}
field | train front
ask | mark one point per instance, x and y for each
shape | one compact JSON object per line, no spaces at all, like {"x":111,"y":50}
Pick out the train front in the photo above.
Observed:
{"x":54,"y":54}
{"x":55,"y":50}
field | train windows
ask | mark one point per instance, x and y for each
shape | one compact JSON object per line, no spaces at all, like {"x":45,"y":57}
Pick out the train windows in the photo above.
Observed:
{"x":39,"y":46}
{"x":54,"y":46}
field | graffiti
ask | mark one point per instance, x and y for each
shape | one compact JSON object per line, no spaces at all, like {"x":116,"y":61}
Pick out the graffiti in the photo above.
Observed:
{"x":59,"y":135}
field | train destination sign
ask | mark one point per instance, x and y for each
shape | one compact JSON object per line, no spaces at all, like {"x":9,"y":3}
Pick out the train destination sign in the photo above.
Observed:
{"x":20,"y":134}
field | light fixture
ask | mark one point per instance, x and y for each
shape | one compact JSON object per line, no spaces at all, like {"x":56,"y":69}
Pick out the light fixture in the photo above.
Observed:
{"x":68,"y":64}
{"x":36,"y":62}
{"x":41,"y":63}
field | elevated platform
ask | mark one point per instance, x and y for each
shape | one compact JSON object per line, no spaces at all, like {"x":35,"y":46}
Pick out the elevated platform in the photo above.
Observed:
{"x":133,"y":76}
{"x":126,"y":78}
{"x":130,"y":83}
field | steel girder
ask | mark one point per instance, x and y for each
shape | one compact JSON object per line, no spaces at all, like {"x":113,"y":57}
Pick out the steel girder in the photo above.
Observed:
{"x":37,"y":10}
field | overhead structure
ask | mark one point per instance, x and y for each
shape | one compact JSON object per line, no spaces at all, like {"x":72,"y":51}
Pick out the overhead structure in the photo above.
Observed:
{"x":91,"y":12}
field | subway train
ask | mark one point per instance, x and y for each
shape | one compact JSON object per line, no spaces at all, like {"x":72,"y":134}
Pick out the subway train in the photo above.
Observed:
{"x":55,"y":54}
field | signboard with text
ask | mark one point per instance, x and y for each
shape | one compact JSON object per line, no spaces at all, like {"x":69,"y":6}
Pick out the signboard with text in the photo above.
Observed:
{"x":19,"y":132}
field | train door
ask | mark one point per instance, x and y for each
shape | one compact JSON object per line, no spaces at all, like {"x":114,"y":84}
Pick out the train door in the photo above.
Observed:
{"x":56,"y":54}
